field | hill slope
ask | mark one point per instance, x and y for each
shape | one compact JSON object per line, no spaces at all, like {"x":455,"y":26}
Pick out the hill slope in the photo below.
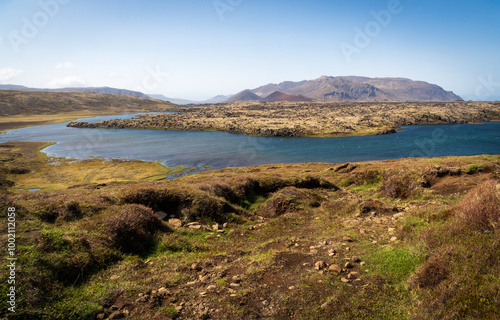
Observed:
{"x":36,"y":102}
{"x":245,"y":96}
{"x":84,"y":89}
{"x":281,"y":96}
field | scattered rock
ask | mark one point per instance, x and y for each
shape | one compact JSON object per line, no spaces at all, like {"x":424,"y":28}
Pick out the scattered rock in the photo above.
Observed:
{"x":221,"y":231}
{"x":215,"y":226}
{"x":265,"y":303}
{"x":355,"y":259}
{"x":211,"y":287}
{"x":325,"y":305}
{"x":313,"y":251}
{"x":162,"y":291}
{"x":117,"y":315}
{"x":362,"y":264}
{"x":114,"y":308}
{"x":320,"y":265}
{"x":393,"y":239}
{"x":113,"y":278}
{"x":236,"y":279}
{"x":196,"y":267}
{"x":347,"y":239}
{"x":234,"y":285}
{"x":398,"y":215}
{"x":224,"y":225}
{"x":291,"y":288}
{"x":344,"y":280}
{"x":335,"y":267}
{"x":142,"y":299}
{"x":162,"y":215}
{"x":174,"y":222}
{"x":353,"y":275}
{"x":348,"y":265}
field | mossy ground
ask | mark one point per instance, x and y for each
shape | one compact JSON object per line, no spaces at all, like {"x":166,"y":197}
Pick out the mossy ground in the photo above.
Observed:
{"x":417,"y":250}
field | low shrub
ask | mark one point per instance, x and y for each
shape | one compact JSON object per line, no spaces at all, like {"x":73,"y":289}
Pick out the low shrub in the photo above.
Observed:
{"x":222,"y":190}
{"x":475,"y":168}
{"x":205,"y":207}
{"x":281,"y":202}
{"x":361,"y":178}
{"x":71,"y":210}
{"x":132,"y":229}
{"x":432,"y":272}
{"x":312,"y":182}
{"x":401,"y":184}
{"x":480,"y":208}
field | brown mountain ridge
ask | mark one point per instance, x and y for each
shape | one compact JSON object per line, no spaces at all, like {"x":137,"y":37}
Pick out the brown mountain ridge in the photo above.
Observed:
{"x":353,"y":88}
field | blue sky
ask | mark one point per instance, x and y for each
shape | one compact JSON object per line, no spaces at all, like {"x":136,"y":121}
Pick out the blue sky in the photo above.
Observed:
{"x":196,"y":49}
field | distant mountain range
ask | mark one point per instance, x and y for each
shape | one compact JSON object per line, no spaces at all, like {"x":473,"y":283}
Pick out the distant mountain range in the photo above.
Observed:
{"x":216,"y":99}
{"x":84,"y":89}
{"x":325,"y":88}
{"x":349,"y":88}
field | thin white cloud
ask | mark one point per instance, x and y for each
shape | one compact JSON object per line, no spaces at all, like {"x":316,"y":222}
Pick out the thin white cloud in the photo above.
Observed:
{"x":65,"y":65}
{"x":7,"y":74}
{"x":72,"y":81}
{"x":115,"y":75}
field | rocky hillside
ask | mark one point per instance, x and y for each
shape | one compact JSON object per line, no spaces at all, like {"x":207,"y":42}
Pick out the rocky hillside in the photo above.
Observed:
{"x":361,"y":89}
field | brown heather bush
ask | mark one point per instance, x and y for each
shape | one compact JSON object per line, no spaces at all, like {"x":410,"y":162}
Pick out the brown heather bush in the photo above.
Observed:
{"x":281,"y":202}
{"x":480,"y":208}
{"x":400,"y":184}
{"x":156,"y":198}
{"x":132,"y":229}
{"x":222,"y":190}
{"x":363,"y":178}
{"x":432,"y":272}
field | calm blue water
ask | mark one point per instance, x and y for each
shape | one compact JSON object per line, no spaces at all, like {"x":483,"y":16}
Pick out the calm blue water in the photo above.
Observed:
{"x":218,"y":149}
